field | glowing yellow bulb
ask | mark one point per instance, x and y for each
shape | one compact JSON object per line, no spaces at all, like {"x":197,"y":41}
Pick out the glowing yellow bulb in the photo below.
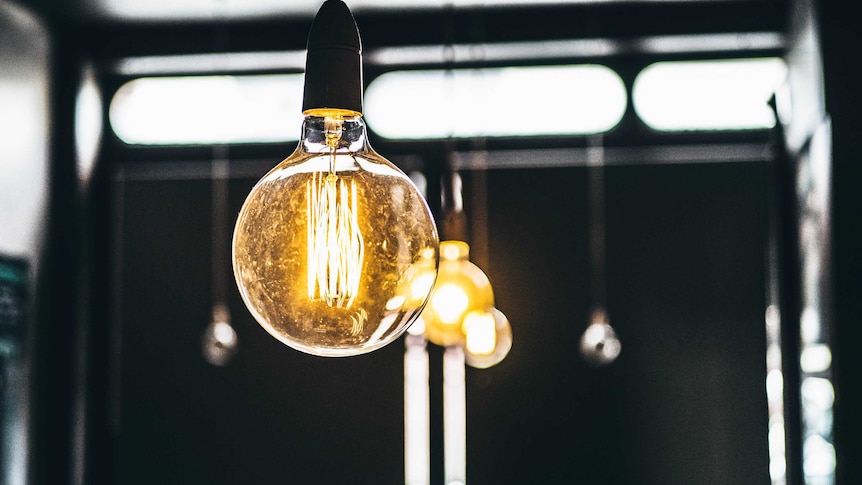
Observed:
{"x":422,"y":285}
{"x":335,"y":250}
{"x":488,"y":337}
{"x":461,"y":288}
{"x":450,"y":302}
{"x":481,"y":338}
{"x":454,"y":250}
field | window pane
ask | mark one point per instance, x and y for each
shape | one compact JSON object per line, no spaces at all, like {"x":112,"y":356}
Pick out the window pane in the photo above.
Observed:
{"x":208,"y":109}
{"x":511,"y":101}
{"x":708,"y":95}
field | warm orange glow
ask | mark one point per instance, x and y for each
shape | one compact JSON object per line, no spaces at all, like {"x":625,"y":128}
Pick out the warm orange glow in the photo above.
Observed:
{"x":449,"y":302}
{"x":481,"y":337}
{"x":460,"y":289}
{"x":489,"y":338}
{"x":335,"y":250}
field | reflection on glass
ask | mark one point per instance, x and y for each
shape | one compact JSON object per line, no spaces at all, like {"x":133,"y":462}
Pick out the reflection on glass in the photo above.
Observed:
{"x":88,"y":124}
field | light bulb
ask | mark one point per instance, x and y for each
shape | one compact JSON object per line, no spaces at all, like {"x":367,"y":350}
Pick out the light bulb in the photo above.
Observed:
{"x":479,"y":333}
{"x":461,"y":288}
{"x":599,"y":342}
{"x":335,"y":249}
{"x":219,"y":342}
{"x":488,"y":337}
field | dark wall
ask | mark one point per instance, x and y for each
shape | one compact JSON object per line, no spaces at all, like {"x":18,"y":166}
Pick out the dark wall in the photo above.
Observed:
{"x":683,"y":404}
{"x":840,"y":38}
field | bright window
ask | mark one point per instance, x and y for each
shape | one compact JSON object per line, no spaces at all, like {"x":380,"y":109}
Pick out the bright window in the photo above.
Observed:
{"x":460,"y":103}
{"x":194,"y":110}
{"x":708,"y":95}
{"x":511,"y":101}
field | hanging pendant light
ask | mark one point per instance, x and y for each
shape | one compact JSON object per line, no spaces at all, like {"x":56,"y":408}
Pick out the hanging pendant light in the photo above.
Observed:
{"x":599,"y":344}
{"x":335,"y":250}
{"x":461,"y":288}
{"x":219,"y":341}
{"x":461,"y":311}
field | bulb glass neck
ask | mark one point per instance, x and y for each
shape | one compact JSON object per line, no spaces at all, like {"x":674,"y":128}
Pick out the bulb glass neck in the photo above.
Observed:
{"x":338,"y":130}
{"x":454,"y":251}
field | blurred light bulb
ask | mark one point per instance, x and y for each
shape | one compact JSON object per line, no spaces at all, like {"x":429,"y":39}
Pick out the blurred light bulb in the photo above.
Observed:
{"x":461,"y":288}
{"x":219,"y":341}
{"x":488,"y":337}
{"x":599,"y":343}
{"x":450,"y":303}
{"x":479,"y":332}
{"x":335,"y":249}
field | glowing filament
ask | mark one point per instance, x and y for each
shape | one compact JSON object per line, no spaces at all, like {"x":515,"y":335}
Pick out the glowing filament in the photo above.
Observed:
{"x":335,"y":248}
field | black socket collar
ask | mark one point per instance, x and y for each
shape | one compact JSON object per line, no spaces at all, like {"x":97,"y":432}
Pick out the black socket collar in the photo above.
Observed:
{"x":333,"y":63}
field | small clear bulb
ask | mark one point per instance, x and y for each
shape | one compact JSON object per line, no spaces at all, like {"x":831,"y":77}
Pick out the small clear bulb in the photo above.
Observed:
{"x":487,"y":337}
{"x":599,"y":342}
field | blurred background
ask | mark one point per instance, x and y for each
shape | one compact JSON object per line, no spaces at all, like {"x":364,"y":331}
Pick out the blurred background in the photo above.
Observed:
{"x":690,"y":167}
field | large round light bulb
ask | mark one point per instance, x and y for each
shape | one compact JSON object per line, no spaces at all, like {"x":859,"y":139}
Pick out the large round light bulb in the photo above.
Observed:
{"x":460,"y":289}
{"x":335,"y":249}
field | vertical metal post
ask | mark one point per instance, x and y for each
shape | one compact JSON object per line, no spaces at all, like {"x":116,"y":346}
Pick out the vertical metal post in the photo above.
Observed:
{"x":417,"y":414}
{"x":454,"y":417}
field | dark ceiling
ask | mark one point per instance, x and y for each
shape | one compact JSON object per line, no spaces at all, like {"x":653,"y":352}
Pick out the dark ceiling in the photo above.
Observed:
{"x":414,"y":22}
{"x":190,"y":11}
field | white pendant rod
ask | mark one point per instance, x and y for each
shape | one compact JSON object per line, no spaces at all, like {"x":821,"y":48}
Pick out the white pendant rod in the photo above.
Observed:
{"x":454,"y":417}
{"x":417,"y":415}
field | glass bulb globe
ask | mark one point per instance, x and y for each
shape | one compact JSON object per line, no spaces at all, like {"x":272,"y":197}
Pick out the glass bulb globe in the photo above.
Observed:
{"x":335,"y":250}
{"x":487,"y":337}
{"x":219,"y":341}
{"x":461,"y":287}
{"x":599,"y":343}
